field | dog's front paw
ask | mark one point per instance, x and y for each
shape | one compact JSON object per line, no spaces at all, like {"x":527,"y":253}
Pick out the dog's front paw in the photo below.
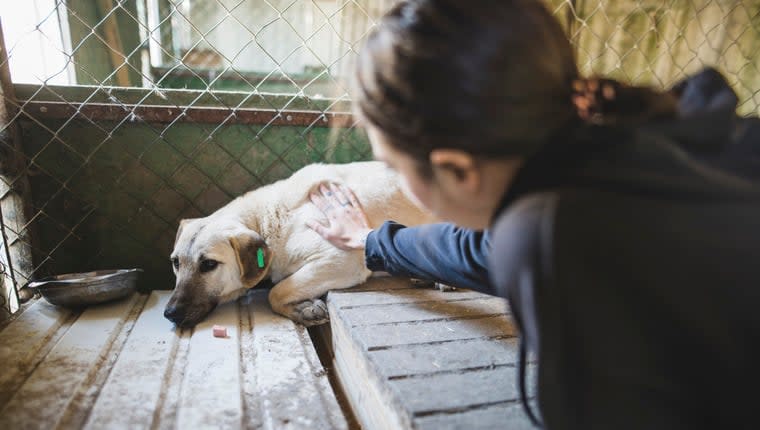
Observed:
{"x":310,"y":312}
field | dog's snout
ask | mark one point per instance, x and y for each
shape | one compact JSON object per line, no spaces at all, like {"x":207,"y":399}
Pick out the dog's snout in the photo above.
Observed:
{"x":173,"y":314}
{"x":188,"y":305}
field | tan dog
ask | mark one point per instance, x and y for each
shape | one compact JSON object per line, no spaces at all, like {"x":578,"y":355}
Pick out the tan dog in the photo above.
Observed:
{"x":263,"y":234}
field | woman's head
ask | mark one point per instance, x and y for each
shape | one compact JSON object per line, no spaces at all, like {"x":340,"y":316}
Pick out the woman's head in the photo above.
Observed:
{"x":449,"y":87}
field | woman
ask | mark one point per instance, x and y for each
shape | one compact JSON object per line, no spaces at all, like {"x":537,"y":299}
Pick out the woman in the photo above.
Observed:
{"x":625,"y":238}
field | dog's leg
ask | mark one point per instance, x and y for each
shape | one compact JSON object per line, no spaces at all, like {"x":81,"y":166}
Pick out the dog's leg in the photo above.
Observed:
{"x":298,"y":296}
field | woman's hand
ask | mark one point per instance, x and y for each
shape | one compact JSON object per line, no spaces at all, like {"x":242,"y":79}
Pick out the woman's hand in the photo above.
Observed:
{"x":348,"y":224}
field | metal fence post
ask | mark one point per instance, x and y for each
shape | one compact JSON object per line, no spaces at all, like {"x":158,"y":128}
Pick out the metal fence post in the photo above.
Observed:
{"x":16,"y":251}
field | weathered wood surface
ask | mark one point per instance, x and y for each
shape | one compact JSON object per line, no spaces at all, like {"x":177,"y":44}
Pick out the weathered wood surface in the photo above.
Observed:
{"x":420,"y":358}
{"x":122,"y":365}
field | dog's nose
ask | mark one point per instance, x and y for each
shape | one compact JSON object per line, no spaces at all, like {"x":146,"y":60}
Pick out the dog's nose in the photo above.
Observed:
{"x":173,"y":314}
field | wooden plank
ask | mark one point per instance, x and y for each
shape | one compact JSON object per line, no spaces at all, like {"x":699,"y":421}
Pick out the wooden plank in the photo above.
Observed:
{"x":505,"y":416}
{"x":292,"y":384}
{"x":134,"y":384}
{"x":82,"y":402}
{"x":424,"y":358}
{"x":352,"y":299}
{"x":454,"y":391}
{"x":68,"y":371}
{"x":253,"y":417}
{"x":381,"y":283}
{"x":371,"y":337}
{"x":210,"y":396}
{"x":165,"y":415}
{"x":373,"y":404}
{"x":447,"y":356}
{"x":26,"y":340}
{"x":424,"y":311}
{"x":322,"y":339}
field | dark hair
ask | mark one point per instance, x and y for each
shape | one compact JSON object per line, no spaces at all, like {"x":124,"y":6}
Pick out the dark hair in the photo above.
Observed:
{"x":490,"y":77}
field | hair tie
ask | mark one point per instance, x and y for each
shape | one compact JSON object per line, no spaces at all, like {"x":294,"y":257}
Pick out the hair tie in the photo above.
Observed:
{"x":593,"y":98}
{"x":607,"y":101}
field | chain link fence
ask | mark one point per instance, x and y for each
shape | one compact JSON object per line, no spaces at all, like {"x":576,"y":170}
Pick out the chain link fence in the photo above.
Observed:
{"x":123,"y":116}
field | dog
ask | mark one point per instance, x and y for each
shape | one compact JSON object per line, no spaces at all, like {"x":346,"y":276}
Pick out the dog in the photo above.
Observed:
{"x":263,"y":234}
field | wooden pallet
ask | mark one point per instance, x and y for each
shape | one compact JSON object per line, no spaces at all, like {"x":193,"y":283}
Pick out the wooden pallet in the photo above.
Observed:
{"x":122,"y":365}
{"x":420,"y":358}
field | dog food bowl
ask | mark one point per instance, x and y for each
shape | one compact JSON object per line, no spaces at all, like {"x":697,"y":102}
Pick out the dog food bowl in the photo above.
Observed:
{"x":82,"y":289}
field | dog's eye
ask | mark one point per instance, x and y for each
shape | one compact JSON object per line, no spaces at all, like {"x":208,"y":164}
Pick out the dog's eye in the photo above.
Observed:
{"x":175,"y":262}
{"x":208,"y":265}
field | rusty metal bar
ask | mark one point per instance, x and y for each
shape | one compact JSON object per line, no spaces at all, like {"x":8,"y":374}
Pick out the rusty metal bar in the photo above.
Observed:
{"x":236,"y":75}
{"x":168,"y":114}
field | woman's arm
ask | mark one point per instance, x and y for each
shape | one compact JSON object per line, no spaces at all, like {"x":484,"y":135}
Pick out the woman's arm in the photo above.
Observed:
{"x":438,"y":252}
{"x":441,"y":252}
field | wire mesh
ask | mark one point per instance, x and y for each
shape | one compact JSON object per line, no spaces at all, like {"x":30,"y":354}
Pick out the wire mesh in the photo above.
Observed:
{"x":134,"y":114}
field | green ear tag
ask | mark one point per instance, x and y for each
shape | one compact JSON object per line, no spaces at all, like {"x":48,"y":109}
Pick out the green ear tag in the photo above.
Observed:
{"x":260,"y":255}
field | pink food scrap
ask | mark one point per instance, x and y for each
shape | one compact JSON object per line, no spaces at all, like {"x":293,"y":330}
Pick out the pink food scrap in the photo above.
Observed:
{"x":220,"y":331}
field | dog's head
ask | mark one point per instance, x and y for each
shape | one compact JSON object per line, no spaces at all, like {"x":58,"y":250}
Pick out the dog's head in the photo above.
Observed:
{"x":214,"y":262}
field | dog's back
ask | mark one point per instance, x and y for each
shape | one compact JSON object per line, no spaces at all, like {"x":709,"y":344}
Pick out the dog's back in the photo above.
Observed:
{"x":376,"y":186}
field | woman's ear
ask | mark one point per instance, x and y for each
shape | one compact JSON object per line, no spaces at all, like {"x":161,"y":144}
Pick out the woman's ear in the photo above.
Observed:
{"x":455,"y":170}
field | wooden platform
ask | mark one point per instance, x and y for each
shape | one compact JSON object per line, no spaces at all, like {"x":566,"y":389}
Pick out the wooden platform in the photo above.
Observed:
{"x":420,"y":358}
{"x":123,"y":366}
{"x":406,"y":357}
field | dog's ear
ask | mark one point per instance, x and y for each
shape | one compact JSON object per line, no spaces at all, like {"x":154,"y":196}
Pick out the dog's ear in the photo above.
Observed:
{"x":253,"y":257}
{"x":182,"y":224}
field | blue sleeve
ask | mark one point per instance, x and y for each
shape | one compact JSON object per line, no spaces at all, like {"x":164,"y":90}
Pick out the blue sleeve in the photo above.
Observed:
{"x":443,"y":253}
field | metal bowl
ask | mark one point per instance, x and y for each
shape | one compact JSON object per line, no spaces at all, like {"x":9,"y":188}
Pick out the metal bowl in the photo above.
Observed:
{"x":82,"y":289}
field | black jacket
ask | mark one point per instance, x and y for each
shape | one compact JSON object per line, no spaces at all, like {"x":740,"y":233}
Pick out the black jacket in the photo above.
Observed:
{"x":633,"y":271}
